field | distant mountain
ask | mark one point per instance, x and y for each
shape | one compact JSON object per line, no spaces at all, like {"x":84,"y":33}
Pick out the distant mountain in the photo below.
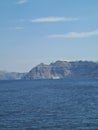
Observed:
{"x":10,"y":75}
{"x":63,"y":69}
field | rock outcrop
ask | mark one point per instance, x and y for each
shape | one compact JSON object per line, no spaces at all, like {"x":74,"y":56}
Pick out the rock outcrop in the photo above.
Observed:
{"x":63,"y":69}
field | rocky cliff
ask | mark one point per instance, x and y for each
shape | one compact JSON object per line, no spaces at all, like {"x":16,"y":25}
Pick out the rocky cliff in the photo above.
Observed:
{"x":63,"y":69}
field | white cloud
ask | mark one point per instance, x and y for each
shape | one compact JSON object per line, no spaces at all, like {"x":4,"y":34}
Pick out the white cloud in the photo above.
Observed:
{"x":54,"y":19}
{"x":75,"y":35}
{"x":16,"y":28}
{"x":22,"y":1}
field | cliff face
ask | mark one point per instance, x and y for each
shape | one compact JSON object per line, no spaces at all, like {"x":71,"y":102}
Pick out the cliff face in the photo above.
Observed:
{"x":63,"y":69}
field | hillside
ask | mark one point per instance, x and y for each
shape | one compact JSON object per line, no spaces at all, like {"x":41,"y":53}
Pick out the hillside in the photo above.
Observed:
{"x":63,"y":69}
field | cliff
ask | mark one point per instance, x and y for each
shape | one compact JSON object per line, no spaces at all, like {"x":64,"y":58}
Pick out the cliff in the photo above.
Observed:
{"x":63,"y":69}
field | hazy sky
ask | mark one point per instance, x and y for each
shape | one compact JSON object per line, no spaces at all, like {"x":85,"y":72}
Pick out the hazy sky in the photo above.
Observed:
{"x":35,"y":31}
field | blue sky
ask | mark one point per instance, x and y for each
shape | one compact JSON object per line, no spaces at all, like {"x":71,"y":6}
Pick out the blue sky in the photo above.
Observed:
{"x":35,"y":31}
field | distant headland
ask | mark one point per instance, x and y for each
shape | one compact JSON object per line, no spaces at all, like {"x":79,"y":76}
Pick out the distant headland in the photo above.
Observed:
{"x":56,"y":70}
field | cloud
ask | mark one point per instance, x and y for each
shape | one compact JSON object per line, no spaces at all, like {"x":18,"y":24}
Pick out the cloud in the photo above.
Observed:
{"x":54,"y":19}
{"x":16,"y":28}
{"x":75,"y":35}
{"x":22,"y":1}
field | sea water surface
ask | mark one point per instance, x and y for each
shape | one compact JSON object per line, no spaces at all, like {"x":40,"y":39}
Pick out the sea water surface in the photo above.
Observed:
{"x":67,"y":104}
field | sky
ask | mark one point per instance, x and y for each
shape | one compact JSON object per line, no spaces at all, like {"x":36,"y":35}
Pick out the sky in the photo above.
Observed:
{"x":43,"y":31}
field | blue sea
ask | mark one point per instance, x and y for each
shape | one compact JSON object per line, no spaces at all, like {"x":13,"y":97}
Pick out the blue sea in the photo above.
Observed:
{"x":66,"y":104}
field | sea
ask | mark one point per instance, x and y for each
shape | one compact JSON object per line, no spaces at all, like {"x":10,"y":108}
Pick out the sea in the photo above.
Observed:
{"x":60,"y":104}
